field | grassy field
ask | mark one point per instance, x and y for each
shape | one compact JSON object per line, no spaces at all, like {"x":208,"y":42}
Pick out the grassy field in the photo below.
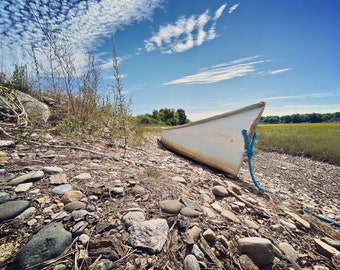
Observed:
{"x":317,"y":141}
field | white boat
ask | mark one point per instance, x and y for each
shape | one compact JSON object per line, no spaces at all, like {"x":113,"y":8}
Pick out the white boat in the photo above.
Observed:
{"x":215,"y":141}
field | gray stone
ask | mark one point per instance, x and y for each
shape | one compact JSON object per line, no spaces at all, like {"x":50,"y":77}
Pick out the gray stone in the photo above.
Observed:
{"x":11,"y":209}
{"x":288,"y":251}
{"x":104,"y":264}
{"x":32,"y":176}
{"x":79,"y":214}
{"x":83,"y":176}
{"x":150,"y":235}
{"x":192,"y":204}
{"x":58,"y":179}
{"x":260,"y":250}
{"x":332,"y":242}
{"x":189,"y":212}
{"x":60,"y":267}
{"x":170,"y":206}
{"x":60,"y":190}
{"x":6,"y":143}
{"x":117,"y":190}
{"x":47,"y":244}
{"x":179,"y":179}
{"x":220,"y":191}
{"x":75,"y":205}
{"x":131,"y":218}
{"x":230,"y":216}
{"x":52,"y":169}
{"x":191,"y":263}
{"x":27,"y":213}
{"x":247,"y":263}
{"x":4,"y":197}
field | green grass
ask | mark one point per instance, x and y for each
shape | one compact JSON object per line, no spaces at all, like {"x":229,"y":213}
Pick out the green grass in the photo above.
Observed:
{"x":317,"y":141}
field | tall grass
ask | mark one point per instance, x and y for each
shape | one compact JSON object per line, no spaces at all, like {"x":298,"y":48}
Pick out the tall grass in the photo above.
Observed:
{"x":318,"y":141}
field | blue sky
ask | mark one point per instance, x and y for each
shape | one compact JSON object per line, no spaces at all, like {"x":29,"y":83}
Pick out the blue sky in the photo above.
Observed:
{"x":205,"y":56}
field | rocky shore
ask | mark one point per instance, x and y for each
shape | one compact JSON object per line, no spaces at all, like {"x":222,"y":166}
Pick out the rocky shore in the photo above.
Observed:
{"x":66,"y":205}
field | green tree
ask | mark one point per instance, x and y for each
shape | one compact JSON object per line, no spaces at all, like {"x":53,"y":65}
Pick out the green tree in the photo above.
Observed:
{"x":19,"y":78}
{"x":182,"y":117}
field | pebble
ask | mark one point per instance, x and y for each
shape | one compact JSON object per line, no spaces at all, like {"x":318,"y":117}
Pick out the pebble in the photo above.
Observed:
{"x":60,"y":190}
{"x":179,"y":179}
{"x":288,"y":250}
{"x":191,"y":263}
{"x":83,"y":176}
{"x":193,"y":234}
{"x":75,"y":205}
{"x":71,"y":196}
{"x":151,"y":234}
{"x":332,"y":242}
{"x":260,"y":250}
{"x":217,"y":207}
{"x":4,"y":197}
{"x":84,"y":238}
{"x":189,"y":212}
{"x":230,"y":216}
{"x":220,"y":191}
{"x":171,"y":206}
{"x":6,"y":143}
{"x":288,"y":225}
{"x":209,"y":235}
{"x":299,"y":220}
{"x":79,"y":214}
{"x":27,"y":213}
{"x":118,"y":190}
{"x":192,"y":204}
{"x":52,"y":170}
{"x":325,"y":249}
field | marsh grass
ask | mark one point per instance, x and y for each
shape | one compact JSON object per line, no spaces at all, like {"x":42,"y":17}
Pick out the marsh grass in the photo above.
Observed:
{"x":318,"y":141}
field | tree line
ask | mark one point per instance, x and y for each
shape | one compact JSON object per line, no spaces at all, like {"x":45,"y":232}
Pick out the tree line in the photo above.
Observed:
{"x":302,"y":118}
{"x":164,"y":117}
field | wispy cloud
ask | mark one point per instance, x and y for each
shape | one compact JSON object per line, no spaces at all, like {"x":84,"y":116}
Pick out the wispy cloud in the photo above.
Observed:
{"x":233,"y":8}
{"x":273,"y":72}
{"x":185,"y":33}
{"x":82,"y":23}
{"x":312,"y":95}
{"x":225,"y":71}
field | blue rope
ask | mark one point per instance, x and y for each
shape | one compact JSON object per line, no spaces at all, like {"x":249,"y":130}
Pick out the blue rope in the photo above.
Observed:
{"x":332,"y":222}
{"x":250,"y":152}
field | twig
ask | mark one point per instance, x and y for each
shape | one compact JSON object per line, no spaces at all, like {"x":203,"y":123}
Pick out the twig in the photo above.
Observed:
{"x":127,"y":255}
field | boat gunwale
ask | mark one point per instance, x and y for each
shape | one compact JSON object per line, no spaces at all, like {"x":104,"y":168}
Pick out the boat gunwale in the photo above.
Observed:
{"x":247,"y":108}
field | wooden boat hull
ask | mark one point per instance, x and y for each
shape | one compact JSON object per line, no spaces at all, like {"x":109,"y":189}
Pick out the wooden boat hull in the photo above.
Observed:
{"x":215,"y":141}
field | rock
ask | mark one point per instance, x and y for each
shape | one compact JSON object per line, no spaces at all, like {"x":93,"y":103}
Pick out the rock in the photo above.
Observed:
{"x":191,"y":263}
{"x":104,"y":264}
{"x":23,"y":187}
{"x":251,"y":224}
{"x":47,"y":244}
{"x":6,"y":143}
{"x":325,"y":249}
{"x":75,"y":205}
{"x":197,"y":252}
{"x":27,"y":213}
{"x":287,"y":224}
{"x":288,"y":251}
{"x":208,"y":212}
{"x":189,"y":212}
{"x":220,"y":191}
{"x":260,"y":250}
{"x":11,"y":209}
{"x":117,"y":190}
{"x":52,"y":170}
{"x":6,"y":251}
{"x":84,"y":238}
{"x":133,"y":217}
{"x":217,"y":207}
{"x":26,"y":177}
{"x":209,"y":235}
{"x":332,"y":242}
{"x":247,"y":263}
{"x":192,"y":204}
{"x":60,"y":190}
{"x":79,"y":227}
{"x":179,"y":179}
{"x":170,"y":206}
{"x":150,"y":235}
{"x":79,"y":214}
{"x":60,"y":267}
{"x":299,"y":219}
{"x":58,"y":179}
{"x":192,"y":235}
{"x":4,"y":197}
{"x":32,"y":105}
{"x":71,"y":196}
{"x":83,"y":176}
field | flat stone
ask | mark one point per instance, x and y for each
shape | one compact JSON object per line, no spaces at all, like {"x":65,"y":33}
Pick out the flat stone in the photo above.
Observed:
{"x":58,"y":179}
{"x":220,"y":191}
{"x":325,"y":249}
{"x":332,"y":242}
{"x":192,"y":204}
{"x":150,"y":235}
{"x":209,"y":235}
{"x":83,"y":176}
{"x":6,"y":143}
{"x":62,"y":189}
{"x":170,"y":206}
{"x":179,"y":179}
{"x":192,"y":235}
{"x":52,"y":170}
{"x":27,"y":213}
{"x":230,"y":216}
{"x":79,"y":214}
{"x":189,"y":212}
{"x":23,"y":187}
{"x":287,"y":224}
{"x":75,"y":205}
{"x":47,"y":244}
{"x":117,"y":190}
{"x":11,"y":209}
{"x":27,"y":177}
{"x":288,"y":250}
{"x":260,"y":250}
{"x":247,"y":263}
{"x":299,"y":219}
{"x":217,"y":207}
